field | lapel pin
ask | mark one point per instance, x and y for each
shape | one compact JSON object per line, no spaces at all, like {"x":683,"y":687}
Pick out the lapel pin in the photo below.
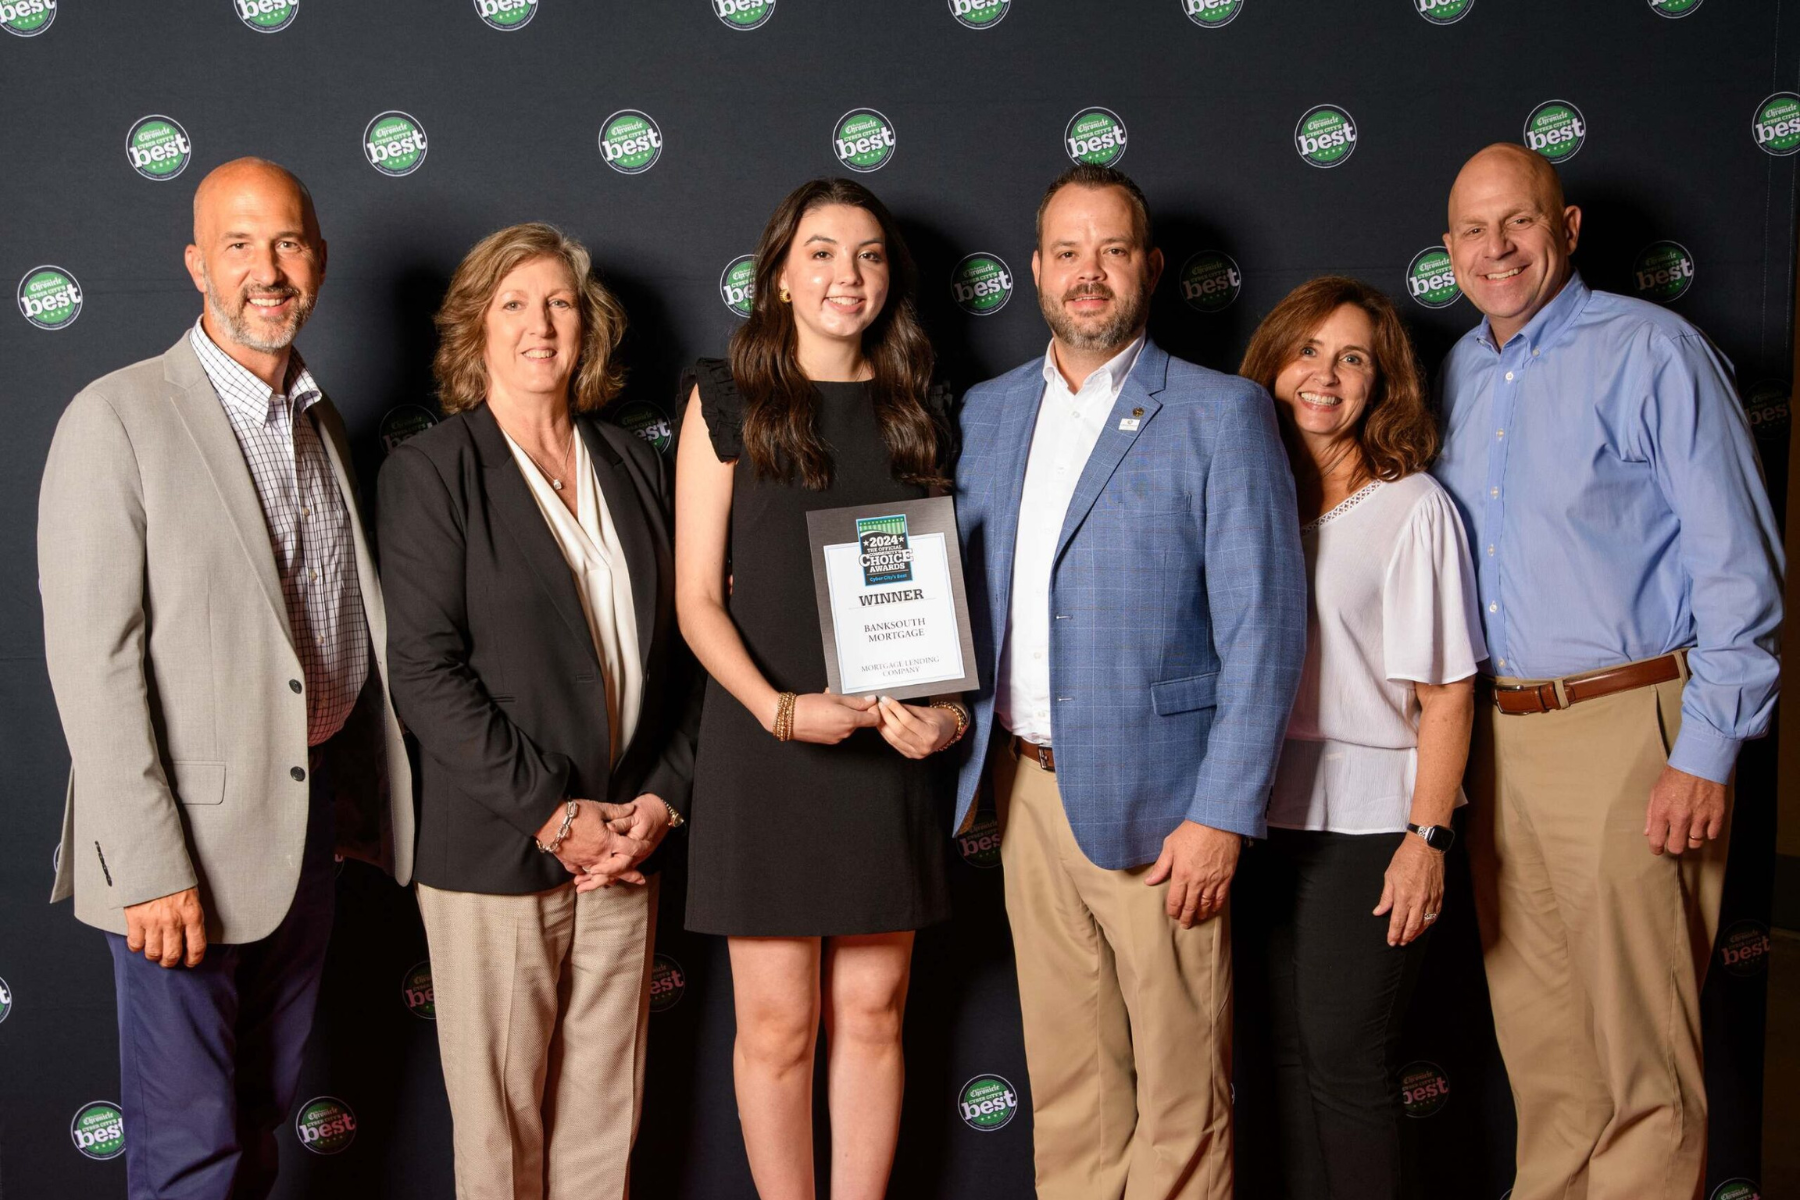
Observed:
{"x":1137,"y":412}
{"x":1129,"y":424}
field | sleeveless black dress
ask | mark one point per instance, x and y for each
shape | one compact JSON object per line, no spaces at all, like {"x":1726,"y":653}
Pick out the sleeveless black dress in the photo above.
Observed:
{"x":794,"y":839}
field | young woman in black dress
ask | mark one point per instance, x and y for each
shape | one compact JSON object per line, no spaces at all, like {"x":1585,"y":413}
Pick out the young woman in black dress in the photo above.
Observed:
{"x":818,"y":834}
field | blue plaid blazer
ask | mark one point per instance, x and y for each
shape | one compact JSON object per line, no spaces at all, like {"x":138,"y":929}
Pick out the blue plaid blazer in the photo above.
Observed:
{"x":1177,"y":598}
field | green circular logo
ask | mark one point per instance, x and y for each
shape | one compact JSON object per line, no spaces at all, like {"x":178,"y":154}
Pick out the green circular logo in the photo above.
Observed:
{"x":1212,"y":14}
{"x":863,"y":140}
{"x":1431,"y":279}
{"x":1210,"y":281}
{"x":667,"y":983}
{"x":6,"y":1001}
{"x":415,"y":991}
{"x":737,"y":284}
{"x":266,"y":16}
{"x":744,"y":14}
{"x":158,"y":147}
{"x":325,"y":1125}
{"x":1325,"y":136}
{"x":980,"y":843}
{"x":1776,"y":124}
{"x":1766,"y":406}
{"x":49,"y":297}
{"x":1737,"y":1189}
{"x":1663,"y":271}
{"x":98,"y":1130}
{"x":1744,"y":949}
{"x":1424,"y":1089}
{"x":1095,"y":135}
{"x":506,"y":15}
{"x":1675,"y":8}
{"x":394,"y":143}
{"x":1444,"y":12}
{"x":980,"y":14}
{"x":987,"y":1103}
{"x":981,"y":284}
{"x":646,"y":421}
{"x":1556,"y":129}
{"x":26,"y":18}
{"x":401,"y":422}
{"x":630,"y":142}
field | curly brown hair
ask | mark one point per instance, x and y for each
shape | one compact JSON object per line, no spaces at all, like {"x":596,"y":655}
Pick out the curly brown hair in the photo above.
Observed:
{"x":780,"y":438}
{"x":1397,"y":435}
{"x":460,"y":366}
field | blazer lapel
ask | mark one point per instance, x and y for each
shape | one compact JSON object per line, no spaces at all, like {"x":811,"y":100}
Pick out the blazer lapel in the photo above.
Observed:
{"x":1015,"y":430}
{"x":627,"y":509}
{"x":509,"y":496}
{"x":1123,"y":426}
{"x":331,"y":435}
{"x":202,"y":413}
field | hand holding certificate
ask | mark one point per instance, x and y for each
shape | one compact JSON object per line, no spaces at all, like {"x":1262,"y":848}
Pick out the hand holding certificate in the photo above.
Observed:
{"x":893,"y":612}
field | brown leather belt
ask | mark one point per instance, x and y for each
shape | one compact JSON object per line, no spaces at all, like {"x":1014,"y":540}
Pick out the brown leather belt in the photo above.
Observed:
{"x":1519,"y":699}
{"x":1043,"y":756}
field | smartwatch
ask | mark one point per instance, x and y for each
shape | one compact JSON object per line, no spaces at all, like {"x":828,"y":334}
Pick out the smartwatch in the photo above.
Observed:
{"x":1438,"y":837}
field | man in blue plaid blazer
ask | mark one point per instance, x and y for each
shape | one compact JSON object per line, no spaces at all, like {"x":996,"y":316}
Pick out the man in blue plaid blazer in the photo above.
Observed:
{"x":1138,"y":599}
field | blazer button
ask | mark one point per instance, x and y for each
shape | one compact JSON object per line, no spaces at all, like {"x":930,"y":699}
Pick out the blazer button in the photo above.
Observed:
{"x":299,"y":774}
{"x":293,"y":685}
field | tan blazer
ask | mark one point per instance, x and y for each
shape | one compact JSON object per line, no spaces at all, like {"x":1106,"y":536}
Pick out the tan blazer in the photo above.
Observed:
{"x":173,"y":665}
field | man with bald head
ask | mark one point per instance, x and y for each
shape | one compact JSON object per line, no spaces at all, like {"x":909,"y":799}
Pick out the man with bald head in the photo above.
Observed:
{"x":1629,"y":574}
{"x":216,"y":644}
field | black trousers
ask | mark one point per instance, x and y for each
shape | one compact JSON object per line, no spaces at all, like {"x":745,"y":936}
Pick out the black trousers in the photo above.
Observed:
{"x":1320,"y":1001}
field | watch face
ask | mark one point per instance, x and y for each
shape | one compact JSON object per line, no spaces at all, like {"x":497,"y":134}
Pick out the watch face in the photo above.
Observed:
{"x":1439,"y":837}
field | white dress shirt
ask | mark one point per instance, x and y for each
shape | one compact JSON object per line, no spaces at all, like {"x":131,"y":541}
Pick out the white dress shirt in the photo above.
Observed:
{"x":590,"y":545}
{"x":1068,"y":426}
{"x":309,"y":528}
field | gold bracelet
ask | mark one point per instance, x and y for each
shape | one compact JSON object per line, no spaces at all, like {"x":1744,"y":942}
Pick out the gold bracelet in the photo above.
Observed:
{"x":784,"y":717}
{"x":962,"y":720}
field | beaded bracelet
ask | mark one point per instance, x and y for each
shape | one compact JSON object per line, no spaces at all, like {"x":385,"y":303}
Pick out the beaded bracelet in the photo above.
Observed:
{"x":962,"y":720}
{"x":784,"y":717}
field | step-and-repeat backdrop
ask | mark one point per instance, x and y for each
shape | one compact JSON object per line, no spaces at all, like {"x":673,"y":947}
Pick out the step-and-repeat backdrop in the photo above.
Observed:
{"x":1277,"y":139}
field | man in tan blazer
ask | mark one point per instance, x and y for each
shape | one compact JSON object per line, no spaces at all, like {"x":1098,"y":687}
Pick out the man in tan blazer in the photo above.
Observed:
{"x":216,"y":644}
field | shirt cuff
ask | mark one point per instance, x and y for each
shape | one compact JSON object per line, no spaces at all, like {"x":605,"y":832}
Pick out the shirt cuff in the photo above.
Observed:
{"x":1704,"y":751}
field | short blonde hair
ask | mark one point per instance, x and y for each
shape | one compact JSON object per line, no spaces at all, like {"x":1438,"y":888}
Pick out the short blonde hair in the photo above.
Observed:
{"x":460,"y":366}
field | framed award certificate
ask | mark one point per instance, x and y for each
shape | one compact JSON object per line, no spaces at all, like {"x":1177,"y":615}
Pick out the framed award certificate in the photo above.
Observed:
{"x":893,"y":611}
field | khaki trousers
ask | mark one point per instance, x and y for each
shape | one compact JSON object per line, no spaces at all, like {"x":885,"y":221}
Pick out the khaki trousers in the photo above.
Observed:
{"x":543,"y":1003}
{"x":1595,"y":948}
{"x":1127,"y":1015}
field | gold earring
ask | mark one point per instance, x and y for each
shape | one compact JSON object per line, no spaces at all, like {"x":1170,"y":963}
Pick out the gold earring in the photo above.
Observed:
{"x":785,"y":298}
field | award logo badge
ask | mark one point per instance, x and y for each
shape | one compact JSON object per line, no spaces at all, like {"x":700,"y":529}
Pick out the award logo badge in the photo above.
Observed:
{"x":886,"y":557}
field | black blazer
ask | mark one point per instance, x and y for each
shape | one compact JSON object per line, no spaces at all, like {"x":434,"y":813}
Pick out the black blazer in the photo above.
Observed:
{"x":490,"y":660}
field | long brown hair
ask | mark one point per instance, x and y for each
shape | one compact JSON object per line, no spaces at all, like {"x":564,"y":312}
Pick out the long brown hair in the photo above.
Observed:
{"x":460,"y":364}
{"x":780,"y":433}
{"x":1397,"y":434}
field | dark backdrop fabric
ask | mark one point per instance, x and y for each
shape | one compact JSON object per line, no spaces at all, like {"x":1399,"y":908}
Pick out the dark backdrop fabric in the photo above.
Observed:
{"x":979,"y":100}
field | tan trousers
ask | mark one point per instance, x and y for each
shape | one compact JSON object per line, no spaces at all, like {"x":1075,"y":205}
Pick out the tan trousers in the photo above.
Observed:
{"x":543,"y":1003}
{"x":1103,"y":970}
{"x":1595,"y":948}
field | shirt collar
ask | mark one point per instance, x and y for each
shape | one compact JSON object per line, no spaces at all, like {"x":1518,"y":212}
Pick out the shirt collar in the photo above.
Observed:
{"x":242,"y":391}
{"x":1550,"y":321}
{"x":1112,"y":374}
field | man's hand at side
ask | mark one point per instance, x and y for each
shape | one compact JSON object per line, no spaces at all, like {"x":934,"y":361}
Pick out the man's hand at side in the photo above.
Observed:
{"x":159,"y":928}
{"x":1198,"y":861}
{"x":1685,"y":812}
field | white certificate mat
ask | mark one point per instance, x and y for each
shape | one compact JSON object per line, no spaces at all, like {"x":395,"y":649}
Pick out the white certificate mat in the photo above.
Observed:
{"x":898,"y":636}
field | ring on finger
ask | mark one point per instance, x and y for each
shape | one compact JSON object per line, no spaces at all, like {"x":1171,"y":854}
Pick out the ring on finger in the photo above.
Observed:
{"x":1430,"y":917}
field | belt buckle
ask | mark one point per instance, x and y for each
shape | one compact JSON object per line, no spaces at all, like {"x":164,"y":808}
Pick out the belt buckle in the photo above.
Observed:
{"x":1535,"y":690}
{"x":1043,"y":755}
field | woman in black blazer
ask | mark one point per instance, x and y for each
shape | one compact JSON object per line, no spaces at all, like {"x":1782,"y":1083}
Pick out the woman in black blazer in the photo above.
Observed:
{"x":535,"y":658}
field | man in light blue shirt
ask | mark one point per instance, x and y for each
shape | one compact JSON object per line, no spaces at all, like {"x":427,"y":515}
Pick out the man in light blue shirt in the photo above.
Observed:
{"x":1629,"y":575}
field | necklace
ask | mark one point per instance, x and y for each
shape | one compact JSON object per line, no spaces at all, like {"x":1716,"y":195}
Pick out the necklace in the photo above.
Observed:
{"x":555,"y":479}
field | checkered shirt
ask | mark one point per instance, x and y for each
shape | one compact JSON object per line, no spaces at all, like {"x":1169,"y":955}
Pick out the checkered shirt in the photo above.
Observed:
{"x":309,"y":528}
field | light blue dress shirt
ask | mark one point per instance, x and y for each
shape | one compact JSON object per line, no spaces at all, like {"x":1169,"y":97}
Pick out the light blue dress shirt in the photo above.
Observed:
{"x":1616,"y":509}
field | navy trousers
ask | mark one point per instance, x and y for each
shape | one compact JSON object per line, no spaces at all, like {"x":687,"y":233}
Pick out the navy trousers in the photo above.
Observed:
{"x":209,"y":1057}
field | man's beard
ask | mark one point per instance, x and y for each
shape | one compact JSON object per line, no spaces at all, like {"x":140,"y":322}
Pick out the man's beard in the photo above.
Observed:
{"x":1112,"y":334}
{"x":239,"y":323}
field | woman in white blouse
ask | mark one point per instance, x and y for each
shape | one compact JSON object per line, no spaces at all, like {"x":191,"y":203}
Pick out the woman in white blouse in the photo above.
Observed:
{"x":1331,"y":909}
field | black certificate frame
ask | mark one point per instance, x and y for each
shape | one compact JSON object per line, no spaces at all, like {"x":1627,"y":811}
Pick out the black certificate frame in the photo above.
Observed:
{"x":933,"y":514}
